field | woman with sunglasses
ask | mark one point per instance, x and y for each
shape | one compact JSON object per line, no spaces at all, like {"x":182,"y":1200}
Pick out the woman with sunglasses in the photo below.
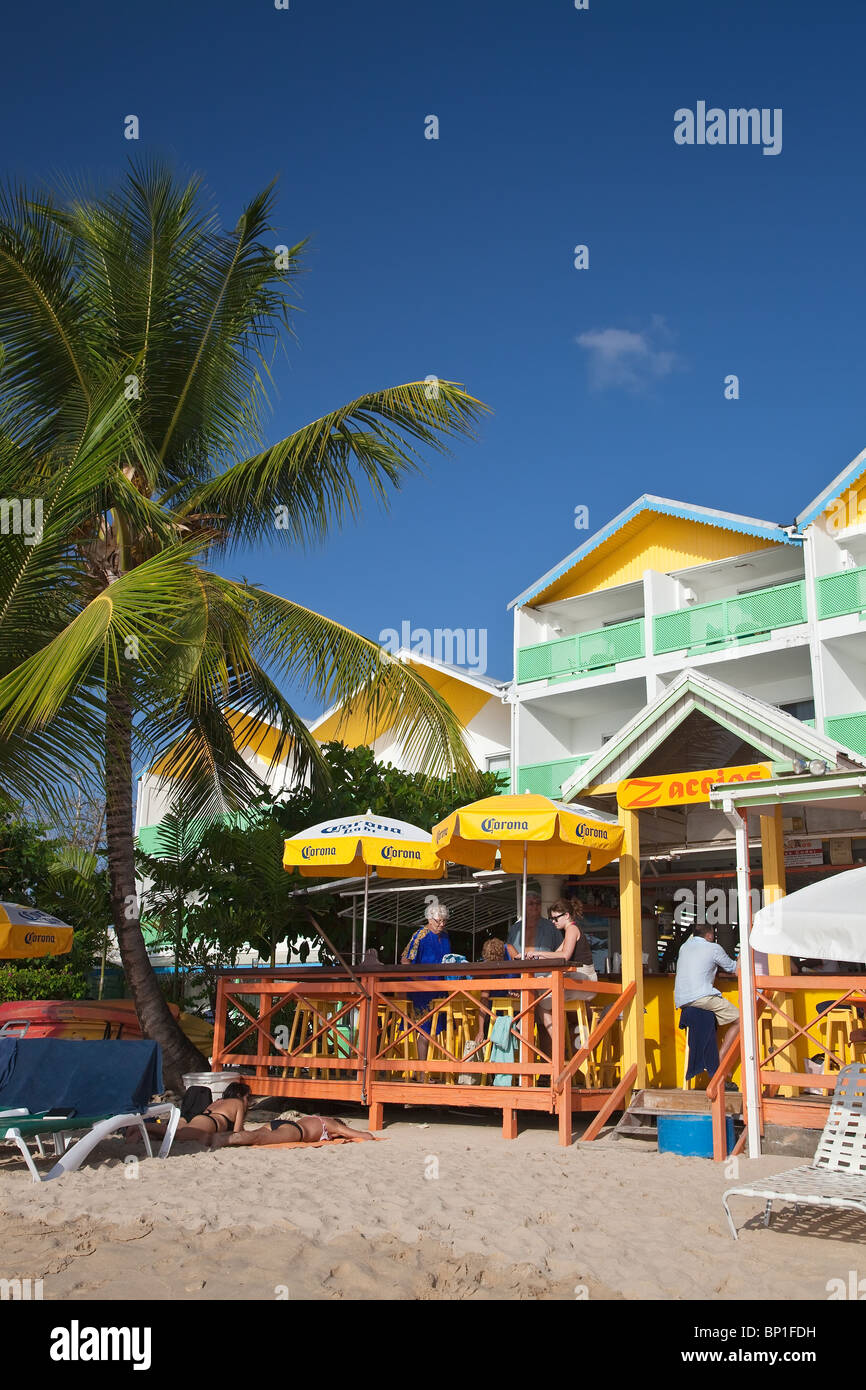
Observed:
{"x":575,"y":949}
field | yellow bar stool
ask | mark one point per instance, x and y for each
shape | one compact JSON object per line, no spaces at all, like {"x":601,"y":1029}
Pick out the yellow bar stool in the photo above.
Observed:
{"x":578,"y":1021}
{"x":609,"y":1050}
{"x":309,"y":1016}
{"x":461,"y":1022}
{"x":834,"y":1030}
{"x":394,"y":1034}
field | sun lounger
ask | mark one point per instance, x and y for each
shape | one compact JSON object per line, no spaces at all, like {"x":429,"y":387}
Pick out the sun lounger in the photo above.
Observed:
{"x":98,"y":1127}
{"x":836,"y":1177}
{"x":57,"y":1089}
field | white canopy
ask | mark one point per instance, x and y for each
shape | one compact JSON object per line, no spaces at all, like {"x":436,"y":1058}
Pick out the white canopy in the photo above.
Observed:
{"x":826,"y":921}
{"x":372,"y":825}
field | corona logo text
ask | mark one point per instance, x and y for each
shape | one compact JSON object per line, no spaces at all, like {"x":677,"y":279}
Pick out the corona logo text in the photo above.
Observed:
{"x":318,"y":851}
{"x":590,"y":832}
{"x":397,"y":852}
{"x":490,"y":823}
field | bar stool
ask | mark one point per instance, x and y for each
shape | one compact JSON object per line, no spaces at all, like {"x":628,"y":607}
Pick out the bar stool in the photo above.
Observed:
{"x":834,"y":1029}
{"x":577,"y":1009}
{"x":307,"y":1021}
{"x":393,"y":1034}
{"x":461,"y":1022}
{"x":609,"y":1050}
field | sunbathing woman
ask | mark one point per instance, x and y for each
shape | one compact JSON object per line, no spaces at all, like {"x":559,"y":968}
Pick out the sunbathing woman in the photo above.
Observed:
{"x":224,"y":1116}
{"x":306,"y":1129}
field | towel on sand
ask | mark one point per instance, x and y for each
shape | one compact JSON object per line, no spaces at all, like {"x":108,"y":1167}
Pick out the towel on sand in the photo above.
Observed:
{"x":308,"y":1143}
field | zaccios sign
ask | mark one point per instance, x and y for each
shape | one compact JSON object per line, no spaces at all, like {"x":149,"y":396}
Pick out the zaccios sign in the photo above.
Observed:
{"x":680,"y":788}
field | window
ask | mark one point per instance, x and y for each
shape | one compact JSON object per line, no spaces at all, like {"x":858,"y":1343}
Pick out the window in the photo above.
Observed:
{"x":801,"y":709}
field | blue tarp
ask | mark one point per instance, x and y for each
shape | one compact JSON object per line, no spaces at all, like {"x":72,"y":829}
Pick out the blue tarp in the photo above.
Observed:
{"x":91,"y":1078}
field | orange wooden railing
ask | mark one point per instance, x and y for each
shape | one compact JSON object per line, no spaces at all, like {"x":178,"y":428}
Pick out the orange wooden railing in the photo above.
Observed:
{"x":361,"y":1062}
{"x":789,"y":1110}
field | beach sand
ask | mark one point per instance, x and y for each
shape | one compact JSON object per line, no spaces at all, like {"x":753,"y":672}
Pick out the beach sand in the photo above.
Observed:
{"x":445,"y":1208}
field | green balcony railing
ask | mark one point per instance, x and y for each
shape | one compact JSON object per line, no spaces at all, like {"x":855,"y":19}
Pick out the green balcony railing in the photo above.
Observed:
{"x":746,"y":618}
{"x":848,"y":729}
{"x":546,"y":779}
{"x":580,"y":655}
{"x":842,"y":593}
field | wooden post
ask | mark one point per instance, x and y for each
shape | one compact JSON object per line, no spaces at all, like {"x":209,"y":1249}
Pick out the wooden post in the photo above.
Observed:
{"x":219,"y":1024}
{"x":368,"y":1030}
{"x":773,"y":864}
{"x":633,"y":1054}
{"x":557,"y":1054}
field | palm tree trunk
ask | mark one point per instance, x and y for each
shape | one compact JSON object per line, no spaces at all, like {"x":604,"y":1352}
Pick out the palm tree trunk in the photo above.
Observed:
{"x":154,"y":1016}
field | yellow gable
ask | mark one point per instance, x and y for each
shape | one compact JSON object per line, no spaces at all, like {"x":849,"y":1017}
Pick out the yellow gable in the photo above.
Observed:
{"x":650,"y":541}
{"x":849,"y":509}
{"x":354,"y":728}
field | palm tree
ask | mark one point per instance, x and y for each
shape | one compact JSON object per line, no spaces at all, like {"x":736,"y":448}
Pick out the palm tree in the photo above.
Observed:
{"x":138,"y":337}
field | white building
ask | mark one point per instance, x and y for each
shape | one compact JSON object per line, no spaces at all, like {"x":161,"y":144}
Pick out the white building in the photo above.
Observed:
{"x":773,"y":611}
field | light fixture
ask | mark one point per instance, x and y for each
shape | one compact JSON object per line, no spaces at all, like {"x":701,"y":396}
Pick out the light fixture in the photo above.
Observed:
{"x":817,"y":767}
{"x":800,"y":766}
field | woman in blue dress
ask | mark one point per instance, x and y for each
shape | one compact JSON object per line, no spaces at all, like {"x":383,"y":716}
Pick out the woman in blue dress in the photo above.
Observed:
{"x":428,"y":946}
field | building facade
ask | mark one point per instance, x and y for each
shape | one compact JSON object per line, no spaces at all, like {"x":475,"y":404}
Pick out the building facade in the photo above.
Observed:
{"x":773,"y":611}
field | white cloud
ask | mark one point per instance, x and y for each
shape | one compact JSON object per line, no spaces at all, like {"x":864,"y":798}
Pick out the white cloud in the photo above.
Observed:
{"x":620,"y":357}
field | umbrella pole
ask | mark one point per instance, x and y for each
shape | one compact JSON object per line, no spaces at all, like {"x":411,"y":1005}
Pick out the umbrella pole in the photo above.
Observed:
{"x":354,"y":929}
{"x":523,"y":906}
{"x":366,"y":899}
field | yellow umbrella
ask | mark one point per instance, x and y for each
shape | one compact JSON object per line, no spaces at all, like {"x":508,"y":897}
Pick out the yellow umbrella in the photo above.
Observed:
{"x":531,"y":834}
{"x":353,"y":845}
{"x":25,"y":932}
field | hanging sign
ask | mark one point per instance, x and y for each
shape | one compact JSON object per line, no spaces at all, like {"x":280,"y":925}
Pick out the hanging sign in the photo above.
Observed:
{"x":803,"y":850}
{"x":683,"y":788}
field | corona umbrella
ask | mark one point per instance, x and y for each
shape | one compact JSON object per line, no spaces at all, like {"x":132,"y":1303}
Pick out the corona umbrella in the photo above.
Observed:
{"x":25,"y":932}
{"x":353,"y":845}
{"x":531,"y":834}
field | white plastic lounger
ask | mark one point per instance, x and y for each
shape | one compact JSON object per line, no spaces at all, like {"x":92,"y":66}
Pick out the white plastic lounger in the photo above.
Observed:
{"x":836,"y":1177}
{"x":70,"y":1155}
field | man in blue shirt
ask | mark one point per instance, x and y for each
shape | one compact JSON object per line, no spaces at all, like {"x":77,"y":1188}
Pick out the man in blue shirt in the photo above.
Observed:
{"x":699,"y":959}
{"x":540,"y":931}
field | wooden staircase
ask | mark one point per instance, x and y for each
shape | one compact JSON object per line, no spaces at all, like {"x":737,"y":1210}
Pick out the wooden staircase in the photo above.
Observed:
{"x":639,"y":1120}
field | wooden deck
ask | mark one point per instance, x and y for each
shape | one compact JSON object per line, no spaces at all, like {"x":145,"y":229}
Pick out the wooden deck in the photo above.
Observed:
{"x":314,"y":1034}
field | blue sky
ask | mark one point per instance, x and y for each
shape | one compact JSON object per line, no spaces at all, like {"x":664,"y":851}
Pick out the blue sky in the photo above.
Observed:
{"x":455,"y":257}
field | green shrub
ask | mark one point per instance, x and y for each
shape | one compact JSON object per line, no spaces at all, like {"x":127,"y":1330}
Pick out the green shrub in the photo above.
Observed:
{"x":40,"y":982}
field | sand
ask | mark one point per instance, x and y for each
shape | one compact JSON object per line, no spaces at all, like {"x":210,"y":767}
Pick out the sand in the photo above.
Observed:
{"x":443,"y":1209}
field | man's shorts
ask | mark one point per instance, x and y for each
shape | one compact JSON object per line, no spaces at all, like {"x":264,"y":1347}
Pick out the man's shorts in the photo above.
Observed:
{"x":724,"y":1012}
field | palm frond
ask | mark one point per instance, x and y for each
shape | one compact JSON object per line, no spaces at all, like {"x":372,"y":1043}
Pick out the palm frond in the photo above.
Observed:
{"x":44,"y":318}
{"x":300,"y":488}
{"x":341,"y":668}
